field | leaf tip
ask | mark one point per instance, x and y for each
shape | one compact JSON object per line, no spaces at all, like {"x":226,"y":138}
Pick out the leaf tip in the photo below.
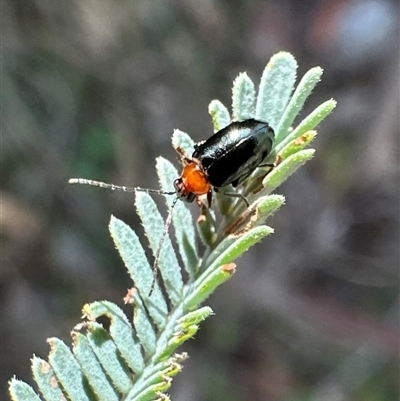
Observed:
{"x":113,"y":220}
{"x":282,"y":56}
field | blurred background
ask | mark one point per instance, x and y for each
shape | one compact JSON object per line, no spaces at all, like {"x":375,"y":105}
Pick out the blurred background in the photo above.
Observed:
{"x":95,"y":89}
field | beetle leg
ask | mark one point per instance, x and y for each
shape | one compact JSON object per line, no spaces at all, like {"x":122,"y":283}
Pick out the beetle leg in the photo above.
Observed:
{"x":277,"y":161}
{"x":272,"y":165}
{"x":209,"y":198}
{"x":234,"y":195}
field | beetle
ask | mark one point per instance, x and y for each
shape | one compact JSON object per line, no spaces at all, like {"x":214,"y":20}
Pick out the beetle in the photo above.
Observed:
{"x":227,"y":157}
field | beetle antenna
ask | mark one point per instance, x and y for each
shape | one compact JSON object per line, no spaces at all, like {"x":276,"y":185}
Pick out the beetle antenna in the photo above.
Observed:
{"x":157,"y":255}
{"x":113,"y":187}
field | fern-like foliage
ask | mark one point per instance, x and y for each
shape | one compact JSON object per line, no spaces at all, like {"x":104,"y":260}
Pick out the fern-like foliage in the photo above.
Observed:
{"x":135,"y":360}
